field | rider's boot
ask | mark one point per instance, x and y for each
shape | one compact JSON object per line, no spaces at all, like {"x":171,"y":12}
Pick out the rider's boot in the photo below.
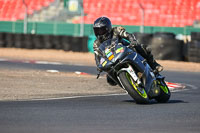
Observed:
{"x":154,"y":65}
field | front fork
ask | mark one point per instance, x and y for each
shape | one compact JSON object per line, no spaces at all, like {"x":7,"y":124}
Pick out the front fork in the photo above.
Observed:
{"x":131,"y":71}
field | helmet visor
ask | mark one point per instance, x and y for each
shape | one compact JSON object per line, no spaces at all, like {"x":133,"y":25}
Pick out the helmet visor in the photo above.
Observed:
{"x":100,"y":31}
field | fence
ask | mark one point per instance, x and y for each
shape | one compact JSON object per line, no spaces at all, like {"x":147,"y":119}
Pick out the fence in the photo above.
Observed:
{"x":74,"y":29}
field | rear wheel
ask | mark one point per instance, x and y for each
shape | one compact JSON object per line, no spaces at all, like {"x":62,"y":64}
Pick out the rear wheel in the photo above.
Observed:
{"x":134,"y":90}
{"x":164,"y":92}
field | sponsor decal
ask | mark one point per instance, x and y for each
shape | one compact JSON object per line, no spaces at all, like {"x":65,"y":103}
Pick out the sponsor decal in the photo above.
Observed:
{"x":102,"y":60}
{"x":109,"y":54}
{"x":111,"y":57}
{"x":119,"y":50}
{"x":105,"y":62}
{"x":107,"y":51}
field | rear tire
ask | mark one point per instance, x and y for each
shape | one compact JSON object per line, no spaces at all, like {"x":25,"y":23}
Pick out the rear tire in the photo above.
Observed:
{"x":135,"y":91}
{"x":164,"y":93}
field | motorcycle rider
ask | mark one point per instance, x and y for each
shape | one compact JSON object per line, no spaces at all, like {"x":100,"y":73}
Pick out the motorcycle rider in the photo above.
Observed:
{"x":103,"y":30}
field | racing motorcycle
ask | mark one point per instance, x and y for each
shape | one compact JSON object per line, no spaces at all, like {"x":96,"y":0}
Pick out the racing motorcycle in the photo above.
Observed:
{"x":131,"y":72}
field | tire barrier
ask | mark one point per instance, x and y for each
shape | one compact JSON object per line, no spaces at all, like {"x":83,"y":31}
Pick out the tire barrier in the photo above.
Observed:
{"x":164,"y":35}
{"x":19,"y":41}
{"x":164,"y":46}
{"x":195,"y":36}
{"x":9,"y":39}
{"x":32,"y":41}
{"x":2,"y":39}
{"x":28,"y":41}
{"x":38,"y":42}
{"x":48,"y":41}
{"x":194,"y":51}
{"x":76,"y":44}
{"x":144,"y":38}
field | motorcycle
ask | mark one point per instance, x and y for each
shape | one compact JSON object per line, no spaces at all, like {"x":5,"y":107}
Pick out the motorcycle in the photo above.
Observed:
{"x":131,"y":72}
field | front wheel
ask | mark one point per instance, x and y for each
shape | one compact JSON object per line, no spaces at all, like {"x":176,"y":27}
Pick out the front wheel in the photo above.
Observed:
{"x":134,"y":90}
{"x":164,"y":92}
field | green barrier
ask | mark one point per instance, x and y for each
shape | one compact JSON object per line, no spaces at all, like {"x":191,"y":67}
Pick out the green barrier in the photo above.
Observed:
{"x":49,"y":28}
{"x":91,"y":40}
{"x":58,"y":28}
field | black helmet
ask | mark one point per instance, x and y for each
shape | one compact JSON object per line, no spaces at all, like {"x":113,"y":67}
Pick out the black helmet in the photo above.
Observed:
{"x":102,"y":28}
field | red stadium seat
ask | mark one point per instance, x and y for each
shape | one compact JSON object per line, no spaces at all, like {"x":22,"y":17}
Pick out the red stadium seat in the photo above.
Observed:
{"x":12,"y":10}
{"x":157,"y":12}
{"x":123,"y":12}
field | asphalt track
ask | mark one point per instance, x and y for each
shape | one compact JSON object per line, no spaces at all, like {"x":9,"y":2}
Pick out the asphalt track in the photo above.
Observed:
{"x":103,"y":114}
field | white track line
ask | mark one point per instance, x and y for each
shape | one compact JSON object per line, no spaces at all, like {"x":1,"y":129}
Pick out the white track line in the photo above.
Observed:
{"x":2,"y":59}
{"x":73,"y":97}
{"x":48,"y":63}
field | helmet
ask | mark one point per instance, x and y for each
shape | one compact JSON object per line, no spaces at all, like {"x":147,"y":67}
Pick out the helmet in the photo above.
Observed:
{"x":102,"y":28}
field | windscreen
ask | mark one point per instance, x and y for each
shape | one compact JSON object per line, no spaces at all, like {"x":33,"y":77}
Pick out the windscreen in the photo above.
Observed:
{"x":108,"y":43}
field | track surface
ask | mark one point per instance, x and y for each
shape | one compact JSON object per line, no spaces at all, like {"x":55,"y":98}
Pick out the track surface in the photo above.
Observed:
{"x":113,"y":114}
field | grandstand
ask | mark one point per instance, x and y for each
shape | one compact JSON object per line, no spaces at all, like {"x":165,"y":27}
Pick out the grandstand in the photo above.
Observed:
{"x":12,"y":10}
{"x":171,"y":13}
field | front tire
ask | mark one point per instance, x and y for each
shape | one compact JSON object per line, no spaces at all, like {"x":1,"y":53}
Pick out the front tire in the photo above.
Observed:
{"x":134,"y":90}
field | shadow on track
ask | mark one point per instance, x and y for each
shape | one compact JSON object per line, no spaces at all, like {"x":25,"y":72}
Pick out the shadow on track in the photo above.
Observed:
{"x":155,"y":102}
